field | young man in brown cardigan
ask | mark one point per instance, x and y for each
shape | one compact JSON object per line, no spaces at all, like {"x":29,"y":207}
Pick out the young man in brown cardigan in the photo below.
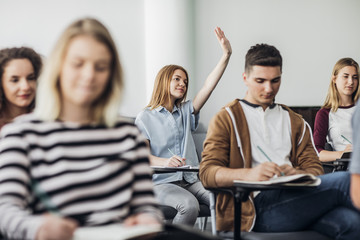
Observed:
{"x":241,"y":138}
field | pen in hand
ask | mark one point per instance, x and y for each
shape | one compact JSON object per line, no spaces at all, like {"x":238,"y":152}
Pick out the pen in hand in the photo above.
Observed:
{"x":171,"y":152}
{"x":175,"y":155}
{"x":268,"y":158}
{"x":50,"y":206}
{"x":44,"y":199}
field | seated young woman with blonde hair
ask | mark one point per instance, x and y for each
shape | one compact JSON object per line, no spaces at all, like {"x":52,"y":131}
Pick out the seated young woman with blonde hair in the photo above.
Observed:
{"x":333,"y":120}
{"x":74,"y":149}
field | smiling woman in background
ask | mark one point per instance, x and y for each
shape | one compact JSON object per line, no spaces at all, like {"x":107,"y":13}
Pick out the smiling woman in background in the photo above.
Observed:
{"x":19,"y":70}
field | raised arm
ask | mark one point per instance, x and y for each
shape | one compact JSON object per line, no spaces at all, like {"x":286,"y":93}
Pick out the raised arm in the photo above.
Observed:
{"x":212,"y":80}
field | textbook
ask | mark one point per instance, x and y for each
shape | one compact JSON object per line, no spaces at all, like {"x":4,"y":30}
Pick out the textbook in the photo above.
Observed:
{"x":292,"y":180}
{"x":116,"y":232}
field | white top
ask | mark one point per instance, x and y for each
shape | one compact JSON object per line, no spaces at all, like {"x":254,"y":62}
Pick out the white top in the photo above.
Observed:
{"x":340,"y":124}
{"x":271,"y":131}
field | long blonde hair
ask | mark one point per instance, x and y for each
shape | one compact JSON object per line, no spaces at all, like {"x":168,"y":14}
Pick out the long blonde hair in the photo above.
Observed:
{"x":161,"y":93}
{"x":332,"y":100}
{"x":48,"y":97}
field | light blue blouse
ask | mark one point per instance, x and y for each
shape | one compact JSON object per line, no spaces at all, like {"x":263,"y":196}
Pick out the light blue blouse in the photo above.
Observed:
{"x":171,"y":130}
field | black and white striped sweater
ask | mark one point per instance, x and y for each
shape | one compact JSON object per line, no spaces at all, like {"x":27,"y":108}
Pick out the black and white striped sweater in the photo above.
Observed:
{"x":95,"y":174}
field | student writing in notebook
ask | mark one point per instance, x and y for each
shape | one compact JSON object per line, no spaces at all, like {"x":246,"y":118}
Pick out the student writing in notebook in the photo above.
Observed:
{"x":92,"y":166}
{"x":231,"y":153}
{"x":167,"y":123}
{"x":19,"y":69}
{"x":333,"y":120}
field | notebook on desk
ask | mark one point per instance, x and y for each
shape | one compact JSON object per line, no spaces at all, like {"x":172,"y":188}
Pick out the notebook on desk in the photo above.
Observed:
{"x":292,"y":180}
{"x":115,"y":232}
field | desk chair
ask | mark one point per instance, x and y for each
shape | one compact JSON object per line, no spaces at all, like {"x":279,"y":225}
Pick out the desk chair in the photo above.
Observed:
{"x":241,"y":194}
{"x":335,"y":166}
{"x":338,"y":164}
{"x":199,"y":137}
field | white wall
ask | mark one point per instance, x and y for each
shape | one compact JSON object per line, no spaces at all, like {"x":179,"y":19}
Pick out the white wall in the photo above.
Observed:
{"x":38,"y":24}
{"x":310,"y":34}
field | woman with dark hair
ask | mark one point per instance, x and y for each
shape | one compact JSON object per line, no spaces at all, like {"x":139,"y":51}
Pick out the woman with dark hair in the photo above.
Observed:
{"x":19,"y":70}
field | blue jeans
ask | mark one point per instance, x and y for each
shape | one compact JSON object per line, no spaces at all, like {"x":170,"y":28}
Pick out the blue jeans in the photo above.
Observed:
{"x":326,"y":209}
{"x":184,"y":197}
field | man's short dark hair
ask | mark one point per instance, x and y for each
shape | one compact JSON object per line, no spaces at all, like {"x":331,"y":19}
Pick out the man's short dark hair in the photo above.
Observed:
{"x":262,"y":55}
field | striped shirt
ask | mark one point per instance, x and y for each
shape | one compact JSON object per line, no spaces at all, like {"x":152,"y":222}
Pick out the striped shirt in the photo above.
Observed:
{"x":94,"y":174}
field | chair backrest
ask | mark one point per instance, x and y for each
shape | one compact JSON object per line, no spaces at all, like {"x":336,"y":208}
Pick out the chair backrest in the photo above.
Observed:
{"x":308,"y":113}
{"x":199,"y":137}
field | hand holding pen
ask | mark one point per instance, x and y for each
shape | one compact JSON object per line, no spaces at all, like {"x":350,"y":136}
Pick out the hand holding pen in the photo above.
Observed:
{"x":54,"y":225}
{"x":174,"y":160}
{"x":268,"y":158}
{"x":348,"y":147}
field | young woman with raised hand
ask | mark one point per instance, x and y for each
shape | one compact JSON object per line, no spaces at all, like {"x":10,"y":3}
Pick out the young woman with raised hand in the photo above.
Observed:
{"x":73,"y":155}
{"x":19,"y":70}
{"x":167,"y":123}
{"x":333,"y":120}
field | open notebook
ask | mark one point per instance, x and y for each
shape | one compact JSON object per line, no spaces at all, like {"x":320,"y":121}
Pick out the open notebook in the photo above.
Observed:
{"x":185,"y":167}
{"x":292,"y":180}
{"x":115,"y":232}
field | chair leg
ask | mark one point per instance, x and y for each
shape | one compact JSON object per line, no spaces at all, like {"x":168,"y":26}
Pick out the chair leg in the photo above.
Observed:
{"x":213,"y":213}
{"x":203,"y":227}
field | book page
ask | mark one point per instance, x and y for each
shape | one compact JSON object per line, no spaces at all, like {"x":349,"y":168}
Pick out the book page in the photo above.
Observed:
{"x":292,"y":180}
{"x":114,"y":232}
{"x":185,"y":166}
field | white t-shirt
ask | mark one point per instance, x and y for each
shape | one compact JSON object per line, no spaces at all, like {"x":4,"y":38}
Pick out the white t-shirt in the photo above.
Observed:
{"x":340,"y":125}
{"x":270,"y":130}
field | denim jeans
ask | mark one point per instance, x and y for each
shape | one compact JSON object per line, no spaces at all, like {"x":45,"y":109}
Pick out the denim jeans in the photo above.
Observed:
{"x":184,"y":197}
{"x":326,"y":209}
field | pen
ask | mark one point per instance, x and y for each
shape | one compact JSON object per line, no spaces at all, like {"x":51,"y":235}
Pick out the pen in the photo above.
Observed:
{"x":50,"y":207}
{"x":171,"y":152}
{"x":346,"y":139}
{"x":44,"y":198}
{"x":282,"y":174}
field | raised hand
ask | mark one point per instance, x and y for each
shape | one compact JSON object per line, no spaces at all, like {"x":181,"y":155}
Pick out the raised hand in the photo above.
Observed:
{"x":215,"y":75}
{"x":223,"y":41}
